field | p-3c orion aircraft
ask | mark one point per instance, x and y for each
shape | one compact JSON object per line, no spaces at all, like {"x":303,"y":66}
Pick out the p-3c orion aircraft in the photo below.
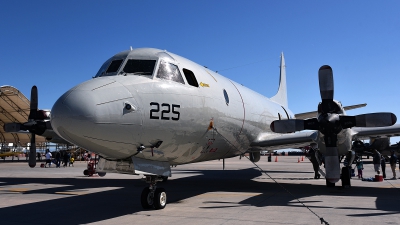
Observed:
{"x":148,"y":109}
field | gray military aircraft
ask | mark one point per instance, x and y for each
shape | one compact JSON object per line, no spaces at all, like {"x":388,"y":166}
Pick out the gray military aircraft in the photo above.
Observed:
{"x":148,"y":109}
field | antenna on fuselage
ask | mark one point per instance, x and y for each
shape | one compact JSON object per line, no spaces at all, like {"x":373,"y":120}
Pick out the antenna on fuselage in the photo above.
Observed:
{"x":131,"y":48}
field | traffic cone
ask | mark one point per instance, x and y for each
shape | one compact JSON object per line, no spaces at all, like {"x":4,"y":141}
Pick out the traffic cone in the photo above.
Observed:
{"x":276,"y":158}
{"x":302,"y":158}
{"x":298,"y":160}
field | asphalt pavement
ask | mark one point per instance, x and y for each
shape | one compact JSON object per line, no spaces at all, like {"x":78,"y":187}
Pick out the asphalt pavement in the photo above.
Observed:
{"x":200,"y":193}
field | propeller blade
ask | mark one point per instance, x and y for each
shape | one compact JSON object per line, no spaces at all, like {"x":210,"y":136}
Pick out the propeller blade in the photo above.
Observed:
{"x":376,"y":120}
{"x":287,"y":126}
{"x":332,"y":164}
{"x":368,"y":120}
{"x":32,"y":151}
{"x":325,"y":76}
{"x":13,"y":127}
{"x":34,"y":103}
{"x":293,"y":125}
{"x":311,"y":124}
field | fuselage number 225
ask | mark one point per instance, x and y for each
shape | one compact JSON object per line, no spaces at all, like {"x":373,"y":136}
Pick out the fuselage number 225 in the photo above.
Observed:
{"x":165,"y":110}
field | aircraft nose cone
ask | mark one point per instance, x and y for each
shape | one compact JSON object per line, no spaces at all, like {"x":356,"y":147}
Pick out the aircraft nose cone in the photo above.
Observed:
{"x":72,"y":114}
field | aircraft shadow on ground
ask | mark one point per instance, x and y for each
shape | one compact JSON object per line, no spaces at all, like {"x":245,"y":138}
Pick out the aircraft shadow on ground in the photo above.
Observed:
{"x":105,"y":205}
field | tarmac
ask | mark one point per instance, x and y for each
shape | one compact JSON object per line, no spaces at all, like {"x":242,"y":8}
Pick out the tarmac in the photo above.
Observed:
{"x":200,"y":193}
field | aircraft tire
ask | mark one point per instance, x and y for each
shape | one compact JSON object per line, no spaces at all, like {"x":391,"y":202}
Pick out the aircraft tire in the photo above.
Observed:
{"x":146,"y":199}
{"x":160,"y":198}
{"x":329,"y":184}
{"x":101,"y":174}
{"x":86,"y":172}
{"x":346,"y":177}
{"x":164,"y":178}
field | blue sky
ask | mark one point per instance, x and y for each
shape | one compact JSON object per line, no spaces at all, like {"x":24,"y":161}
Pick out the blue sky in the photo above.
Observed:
{"x":59,"y":44}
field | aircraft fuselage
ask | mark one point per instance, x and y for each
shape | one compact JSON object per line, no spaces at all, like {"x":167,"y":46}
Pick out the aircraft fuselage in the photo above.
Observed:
{"x":210,"y":118}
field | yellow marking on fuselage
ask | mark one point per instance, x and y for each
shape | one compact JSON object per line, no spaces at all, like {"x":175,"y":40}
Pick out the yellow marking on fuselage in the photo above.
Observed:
{"x":204,"y":84}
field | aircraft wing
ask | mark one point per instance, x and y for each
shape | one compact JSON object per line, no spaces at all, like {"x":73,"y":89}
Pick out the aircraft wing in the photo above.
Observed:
{"x":301,"y":139}
{"x":282,"y":141}
{"x":376,"y":132}
{"x":313,"y":114}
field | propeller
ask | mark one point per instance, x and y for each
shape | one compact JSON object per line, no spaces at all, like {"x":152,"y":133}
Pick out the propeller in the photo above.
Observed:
{"x":331,"y":121}
{"x":32,"y":116}
{"x":38,"y":122}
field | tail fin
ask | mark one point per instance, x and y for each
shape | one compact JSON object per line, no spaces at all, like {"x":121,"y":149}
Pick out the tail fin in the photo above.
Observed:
{"x":281,"y":95}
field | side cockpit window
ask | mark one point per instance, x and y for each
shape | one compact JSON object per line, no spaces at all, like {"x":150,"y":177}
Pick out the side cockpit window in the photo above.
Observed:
{"x":109,"y":68}
{"x":169,"y":71}
{"x":114,"y":66}
{"x":191,"y":79}
{"x":139,"y":67}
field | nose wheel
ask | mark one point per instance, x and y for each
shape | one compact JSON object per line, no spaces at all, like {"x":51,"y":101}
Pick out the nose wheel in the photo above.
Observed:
{"x":153,"y":197}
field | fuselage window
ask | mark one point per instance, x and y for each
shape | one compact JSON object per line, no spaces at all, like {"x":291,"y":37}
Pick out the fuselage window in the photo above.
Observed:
{"x":169,"y":71}
{"x":226,"y":97}
{"x":139,"y":67}
{"x":114,"y":66}
{"x":191,"y":79}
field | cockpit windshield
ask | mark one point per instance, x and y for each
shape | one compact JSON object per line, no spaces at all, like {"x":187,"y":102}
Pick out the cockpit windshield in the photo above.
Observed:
{"x":139,"y":67}
{"x":169,"y":71}
{"x":114,"y":66}
{"x":109,"y":68}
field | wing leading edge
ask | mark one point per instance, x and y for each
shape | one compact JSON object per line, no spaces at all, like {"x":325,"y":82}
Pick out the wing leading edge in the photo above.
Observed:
{"x":313,"y":114}
{"x":281,"y":141}
{"x":376,"y":132}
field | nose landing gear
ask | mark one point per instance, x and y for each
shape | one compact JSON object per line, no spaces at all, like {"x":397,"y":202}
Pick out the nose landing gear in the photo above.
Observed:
{"x":153,"y":197}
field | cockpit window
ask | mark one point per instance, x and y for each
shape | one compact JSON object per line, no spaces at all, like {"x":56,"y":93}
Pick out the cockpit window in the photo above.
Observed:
{"x":190,"y":78}
{"x":169,"y":71}
{"x":109,"y":69}
{"x":102,"y":69}
{"x":139,"y":67}
{"x":114,"y":66}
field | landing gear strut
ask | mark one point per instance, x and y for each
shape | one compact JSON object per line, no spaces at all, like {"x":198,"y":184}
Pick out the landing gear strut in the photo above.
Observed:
{"x":153,"y":197}
{"x":346,"y":170}
{"x":346,"y":176}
